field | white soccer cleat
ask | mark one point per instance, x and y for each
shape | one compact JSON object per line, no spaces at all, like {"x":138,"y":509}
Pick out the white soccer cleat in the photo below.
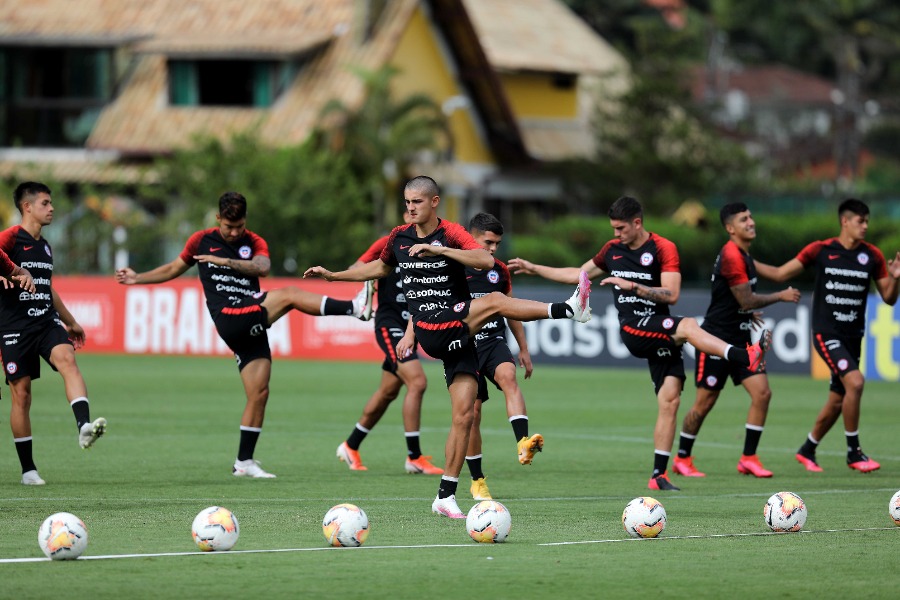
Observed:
{"x":362,"y":304}
{"x":580,"y":302}
{"x":32,"y":478}
{"x":447,"y":507}
{"x":250,"y":468}
{"x":90,"y":432}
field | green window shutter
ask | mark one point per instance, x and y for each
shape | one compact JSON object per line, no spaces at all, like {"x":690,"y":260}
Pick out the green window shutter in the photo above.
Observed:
{"x":183,"y":88}
{"x":262,"y":84}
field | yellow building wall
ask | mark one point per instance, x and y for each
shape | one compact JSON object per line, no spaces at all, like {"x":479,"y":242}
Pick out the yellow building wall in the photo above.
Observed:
{"x":535,"y":95}
{"x":423,"y":70}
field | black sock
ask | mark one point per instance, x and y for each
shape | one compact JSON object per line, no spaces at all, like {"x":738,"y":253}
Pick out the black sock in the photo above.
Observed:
{"x":520,"y":427}
{"x":660,"y":463}
{"x":475,"y":467}
{"x":560,"y":310}
{"x":738,"y":355}
{"x":751,"y":439}
{"x":808,"y":449}
{"x":853,"y":442}
{"x":413,"y":449}
{"x":337,"y":307}
{"x":448,"y":488}
{"x":23,"y":449}
{"x":82,"y":410}
{"x":685,"y":444}
{"x":247,"y":447}
{"x":356,"y":437}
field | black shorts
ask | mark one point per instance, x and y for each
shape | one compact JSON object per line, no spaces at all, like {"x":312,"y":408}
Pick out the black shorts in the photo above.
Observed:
{"x":841,"y":354}
{"x":492,"y":352}
{"x":651,"y":338}
{"x":388,"y":332}
{"x":711,"y":372}
{"x":443,"y":332}
{"x":22,"y":351}
{"x":242,"y":326}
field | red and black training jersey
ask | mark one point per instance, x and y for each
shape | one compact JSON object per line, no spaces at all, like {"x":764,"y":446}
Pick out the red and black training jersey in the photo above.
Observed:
{"x":430,"y":282}
{"x":842,"y":284}
{"x":643,"y":265}
{"x":391,"y":300}
{"x":18,"y":308}
{"x":223,"y":285}
{"x":481,"y":283}
{"x":725,"y":318}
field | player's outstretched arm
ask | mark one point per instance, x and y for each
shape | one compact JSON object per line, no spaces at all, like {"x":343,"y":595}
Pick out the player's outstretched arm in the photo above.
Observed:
{"x":23,"y":278}
{"x":373,"y":270}
{"x":520,"y":266}
{"x":888,"y":287}
{"x":76,"y":331}
{"x":788,"y":270}
{"x":749,"y":300}
{"x":166,"y":272}
{"x":667,"y":293}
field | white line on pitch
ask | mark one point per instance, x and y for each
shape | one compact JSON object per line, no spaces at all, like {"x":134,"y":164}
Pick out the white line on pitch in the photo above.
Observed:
{"x":713,"y":535}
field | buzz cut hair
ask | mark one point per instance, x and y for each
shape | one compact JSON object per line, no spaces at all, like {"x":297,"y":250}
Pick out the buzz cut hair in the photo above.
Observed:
{"x":626,"y":208}
{"x":424,"y":184}
{"x":27,"y":190}
{"x":852,"y":205}
{"x":232,"y":206}
{"x":730,"y":210}
{"x":485,"y":222}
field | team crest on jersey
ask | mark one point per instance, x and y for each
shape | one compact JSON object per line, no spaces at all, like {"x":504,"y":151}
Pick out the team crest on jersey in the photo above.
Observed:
{"x":47,"y":250}
{"x":493,"y":276}
{"x":11,"y":368}
{"x":646,"y":259}
{"x":668,"y":323}
{"x":436,"y":243}
{"x":842,"y":364}
{"x":244,"y":251}
{"x":712,"y":380}
{"x":862,"y":258}
{"x":459,"y":307}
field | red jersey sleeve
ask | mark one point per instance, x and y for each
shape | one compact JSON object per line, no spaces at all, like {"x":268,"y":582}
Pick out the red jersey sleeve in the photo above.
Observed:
{"x":808,"y":255}
{"x":879,"y":270}
{"x":7,"y":241}
{"x":458,"y":237}
{"x":733,"y":267}
{"x":600,"y":258}
{"x":258,"y":245}
{"x":387,"y":252}
{"x":374,"y":250}
{"x":190,"y":248}
{"x":504,"y":276}
{"x":667,"y":254}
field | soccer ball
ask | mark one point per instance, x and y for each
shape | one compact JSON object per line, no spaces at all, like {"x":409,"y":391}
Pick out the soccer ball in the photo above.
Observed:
{"x":488,"y":522}
{"x":63,"y":536}
{"x":345,"y":525}
{"x":785,"y":511}
{"x":215,"y":528}
{"x":894,"y":509}
{"x":644,"y":517}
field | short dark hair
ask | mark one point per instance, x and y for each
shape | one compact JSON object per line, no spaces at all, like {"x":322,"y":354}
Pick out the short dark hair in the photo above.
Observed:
{"x":486,"y":222}
{"x":625,"y":209}
{"x":232,"y":206}
{"x":27,"y":189}
{"x":425,"y":184}
{"x":852,"y":205}
{"x":729,"y":210}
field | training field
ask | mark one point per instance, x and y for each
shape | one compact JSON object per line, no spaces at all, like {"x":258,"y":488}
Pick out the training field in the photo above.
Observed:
{"x":173,"y":431}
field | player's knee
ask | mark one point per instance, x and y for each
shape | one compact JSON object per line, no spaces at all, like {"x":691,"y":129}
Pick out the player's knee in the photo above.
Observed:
{"x":417,"y":384}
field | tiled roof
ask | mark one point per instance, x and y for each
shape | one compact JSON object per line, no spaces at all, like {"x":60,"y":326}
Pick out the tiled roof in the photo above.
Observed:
{"x":764,"y":84}
{"x":540,"y":35}
{"x":262,"y":44}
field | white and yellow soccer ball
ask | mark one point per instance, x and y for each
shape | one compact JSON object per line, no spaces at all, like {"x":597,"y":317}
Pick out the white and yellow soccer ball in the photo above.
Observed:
{"x":215,"y":528}
{"x":345,"y":525}
{"x":785,"y":511}
{"x":488,"y":522}
{"x":644,"y":517}
{"x":894,"y":509}
{"x":63,"y":536}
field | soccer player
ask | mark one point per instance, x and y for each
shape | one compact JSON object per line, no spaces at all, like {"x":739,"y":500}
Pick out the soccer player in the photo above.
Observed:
{"x":845,"y":267}
{"x":432,"y":255}
{"x":495,"y":361}
{"x":230,"y":259}
{"x":391,"y":320}
{"x":36,"y":324}
{"x":645,"y":279}
{"x":731,"y":317}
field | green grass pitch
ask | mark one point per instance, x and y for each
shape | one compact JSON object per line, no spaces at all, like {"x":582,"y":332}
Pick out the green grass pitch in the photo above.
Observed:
{"x":173,"y":432}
